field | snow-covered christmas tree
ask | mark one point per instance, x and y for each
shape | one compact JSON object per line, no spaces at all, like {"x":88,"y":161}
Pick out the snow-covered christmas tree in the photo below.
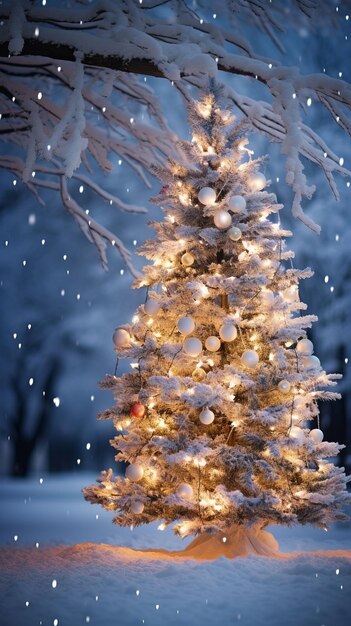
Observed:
{"x":218,"y":419}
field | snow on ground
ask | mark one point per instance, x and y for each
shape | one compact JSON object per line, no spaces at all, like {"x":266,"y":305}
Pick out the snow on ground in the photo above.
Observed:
{"x":103,"y":585}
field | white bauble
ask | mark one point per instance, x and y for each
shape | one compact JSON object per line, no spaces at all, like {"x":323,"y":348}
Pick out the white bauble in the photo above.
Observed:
{"x":207,"y":196}
{"x":121,"y":338}
{"x":212,"y":344}
{"x":222,"y":219}
{"x":137,"y":507}
{"x":185,"y":491}
{"x":134,"y":472}
{"x":237,"y":204}
{"x":311,"y":362}
{"x":267,"y":296}
{"x":304,"y":346}
{"x":206,"y":416}
{"x":317,"y":435}
{"x":284,"y":386}
{"x":297,"y":433}
{"x":192,"y":346}
{"x":234,"y":233}
{"x":151,"y":306}
{"x":228,"y":332}
{"x":257,"y":181}
{"x":186,"y":325}
{"x":290,"y":294}
{"x":187,"y":259}
{"x":250,"y":358}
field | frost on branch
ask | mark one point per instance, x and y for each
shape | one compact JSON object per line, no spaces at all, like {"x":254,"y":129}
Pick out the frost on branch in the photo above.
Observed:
{"x":93,"y":58}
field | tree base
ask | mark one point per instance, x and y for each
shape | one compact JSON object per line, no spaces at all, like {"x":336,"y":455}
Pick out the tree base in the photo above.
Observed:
{"x":238,"y":541}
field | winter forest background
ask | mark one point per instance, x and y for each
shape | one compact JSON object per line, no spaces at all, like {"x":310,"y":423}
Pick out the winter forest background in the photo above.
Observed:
{"x":59,"y":307}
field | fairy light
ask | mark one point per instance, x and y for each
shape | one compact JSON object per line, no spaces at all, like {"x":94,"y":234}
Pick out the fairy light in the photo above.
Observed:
{"x":150,"y":322}
{"x":162,"y":526}
{"x":135,"y":319}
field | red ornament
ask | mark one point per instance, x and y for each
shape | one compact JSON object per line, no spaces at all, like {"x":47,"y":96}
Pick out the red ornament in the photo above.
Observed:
{"x":137,"y":409}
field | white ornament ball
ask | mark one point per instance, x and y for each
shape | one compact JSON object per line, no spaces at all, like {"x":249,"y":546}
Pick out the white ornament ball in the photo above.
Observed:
{"x":212,"y":344}
{"x":207,"y":196}
{"x":151,"y":306}
{"x":311,"y":362}
{"x":304,"y":346}
{"x":290,"y":294}
{"x":206,"y":416}
{"x":192,"y":346}
{"x":250,"y":358}
{"x":121,"y":338}
{"x":257,"y":181}
{"x":228,"y":332}
{"x":317,"y":435}
{"x":234,"y":233}
{"x":185,"y":491}
{"x":137,"y":508}
{"x":186,"y":325}
{"x":237,"y":204}
{"x":222,"y":219}
{"x":297,"y":433}
{"x":267,"y":296}
{"x":134,"y":472}
{"x":284,"y":386}
{"x":187,"y":259}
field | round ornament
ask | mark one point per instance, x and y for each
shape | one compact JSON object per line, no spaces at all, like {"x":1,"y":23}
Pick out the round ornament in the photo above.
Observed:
{"x":137,"y":409}
{"x":121,"y":338}
{"x":192,"y":346}
{"x":222,"y":219}
{"x":151,"y":306}
{"x":212,"y":344}
{"x":237,"y":204}
{"x":290,"y":294}
{"x":234,"y":233}
{"x":297,"y":433}
{"x":187,"y":259}
{"x":304,"y":346}
{"x":284,"y":386}
{"x":250,"y":358}
{"x":134,"y":472}
{"x":311,"y":362}
{"x":137,"y":507}
{"x":317,"y":435}
{"x":207,"y":196}
{"x":257,"y":181}
{"x":267,"y":296}
{"x":206,"y":416}
{"x":185,"y":491}
{"x":228,"y":332}
{"x":198,"y":374}
{"x":186,"y":325}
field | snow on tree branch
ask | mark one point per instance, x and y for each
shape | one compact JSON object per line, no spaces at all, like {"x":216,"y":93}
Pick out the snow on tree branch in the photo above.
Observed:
{"x":92,"y":57}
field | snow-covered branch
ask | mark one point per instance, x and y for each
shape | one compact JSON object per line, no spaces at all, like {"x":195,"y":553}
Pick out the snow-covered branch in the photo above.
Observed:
{"x":92,"y":58}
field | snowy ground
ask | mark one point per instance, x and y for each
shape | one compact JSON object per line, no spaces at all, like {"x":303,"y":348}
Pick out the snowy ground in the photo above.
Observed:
{"x":108,"y":586}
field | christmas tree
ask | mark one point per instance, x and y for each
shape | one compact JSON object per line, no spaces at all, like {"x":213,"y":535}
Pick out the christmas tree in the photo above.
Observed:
{"x":218,"y":419}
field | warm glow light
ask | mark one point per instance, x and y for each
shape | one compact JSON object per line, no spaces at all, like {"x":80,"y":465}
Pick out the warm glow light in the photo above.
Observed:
{"x":134,"y":365}
{"x":210,"y":362}
{"x":135,"y":319}
{"x":150,"y":321}
{"x":162,"y":526}
{"x":271,"y":356}
{"x":162,"y":423}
